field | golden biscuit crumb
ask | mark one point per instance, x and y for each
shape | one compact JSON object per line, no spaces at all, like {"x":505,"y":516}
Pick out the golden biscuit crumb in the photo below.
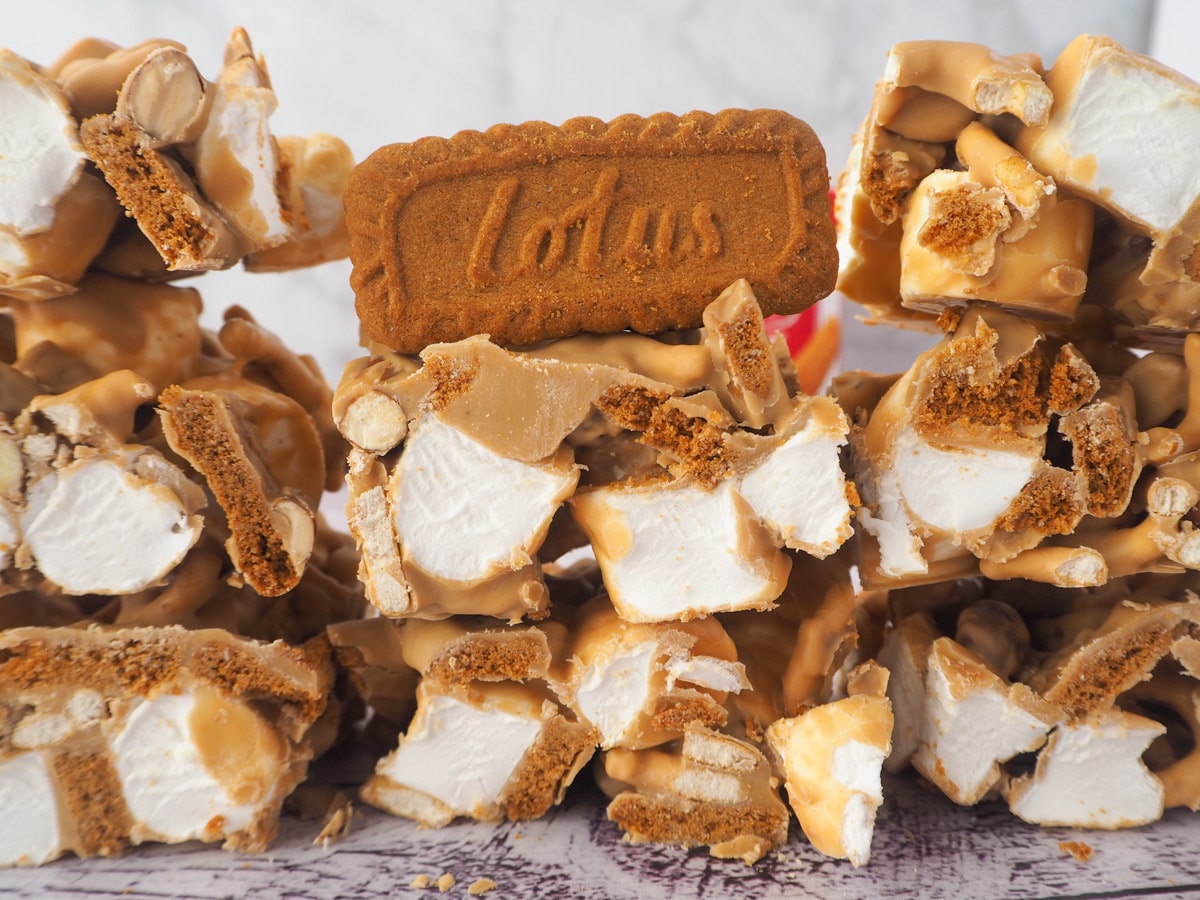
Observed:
{"x":1078,"y":849}
{"x":481,"y":886}
{"x":445,"y":882}
{"x":421,"y":881}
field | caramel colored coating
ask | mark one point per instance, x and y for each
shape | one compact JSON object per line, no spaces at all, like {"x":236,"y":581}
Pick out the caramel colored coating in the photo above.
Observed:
{"x":975,"y":76}
{"x":49,"y":263}
{"x":531,"y":232}
{"x":110,"y":324}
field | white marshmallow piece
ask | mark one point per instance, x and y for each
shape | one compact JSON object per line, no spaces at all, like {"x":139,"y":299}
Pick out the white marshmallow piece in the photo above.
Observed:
{"x":238,"y":137}
{"x":674,"y":551}
{"x":40,"y":152}
{"x":832,"y":758}
{"x":459,"y":755}
{"x":93,"y":527}
{"x":620,"y":686}
{"x":171,"y":791}
{"x":974,"y":721}
{"x":1123,"y":131}
{"x":1090,"y":775}
{"x":958,"y":490}
{"x":464,"y":513}
{"x":799,"y":490}
{"x":31,"y":832}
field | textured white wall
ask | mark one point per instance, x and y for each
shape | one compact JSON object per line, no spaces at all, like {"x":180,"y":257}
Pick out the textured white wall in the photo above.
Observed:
{"x":376,"y":72}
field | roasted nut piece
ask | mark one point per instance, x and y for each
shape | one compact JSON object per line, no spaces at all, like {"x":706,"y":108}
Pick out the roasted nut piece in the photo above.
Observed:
{"x":166,"y":97}
{"x":92,"y":72}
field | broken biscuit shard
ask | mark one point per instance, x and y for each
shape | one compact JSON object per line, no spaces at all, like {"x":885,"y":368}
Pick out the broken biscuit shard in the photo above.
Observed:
{"x":186,"y":230}
{"x":543,"y":232}
{"x":229,"y":434}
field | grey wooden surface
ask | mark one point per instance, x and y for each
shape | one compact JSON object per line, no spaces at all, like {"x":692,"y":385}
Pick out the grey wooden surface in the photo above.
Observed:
{"x":924,"y":847}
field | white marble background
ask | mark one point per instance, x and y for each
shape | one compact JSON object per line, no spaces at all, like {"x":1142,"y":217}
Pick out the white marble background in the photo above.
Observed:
{"x":375,"y":72}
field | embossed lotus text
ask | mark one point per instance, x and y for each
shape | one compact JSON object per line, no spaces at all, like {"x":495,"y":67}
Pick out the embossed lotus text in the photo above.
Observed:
{"x":531,"y":232}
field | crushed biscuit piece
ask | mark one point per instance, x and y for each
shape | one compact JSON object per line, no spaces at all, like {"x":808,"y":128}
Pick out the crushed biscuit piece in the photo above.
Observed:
{"x":481,"y":886}
{"x":1079,"y":849}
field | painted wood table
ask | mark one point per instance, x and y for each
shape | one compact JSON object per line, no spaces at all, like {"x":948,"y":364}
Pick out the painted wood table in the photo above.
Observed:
{"x":924,"y":847}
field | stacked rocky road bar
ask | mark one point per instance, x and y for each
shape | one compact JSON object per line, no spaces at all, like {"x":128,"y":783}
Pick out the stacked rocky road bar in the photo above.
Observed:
{"x":595,"y":522}
{"x":166,"y":579}
{"x":680,"y":456}
{"x":1029,"y":484}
